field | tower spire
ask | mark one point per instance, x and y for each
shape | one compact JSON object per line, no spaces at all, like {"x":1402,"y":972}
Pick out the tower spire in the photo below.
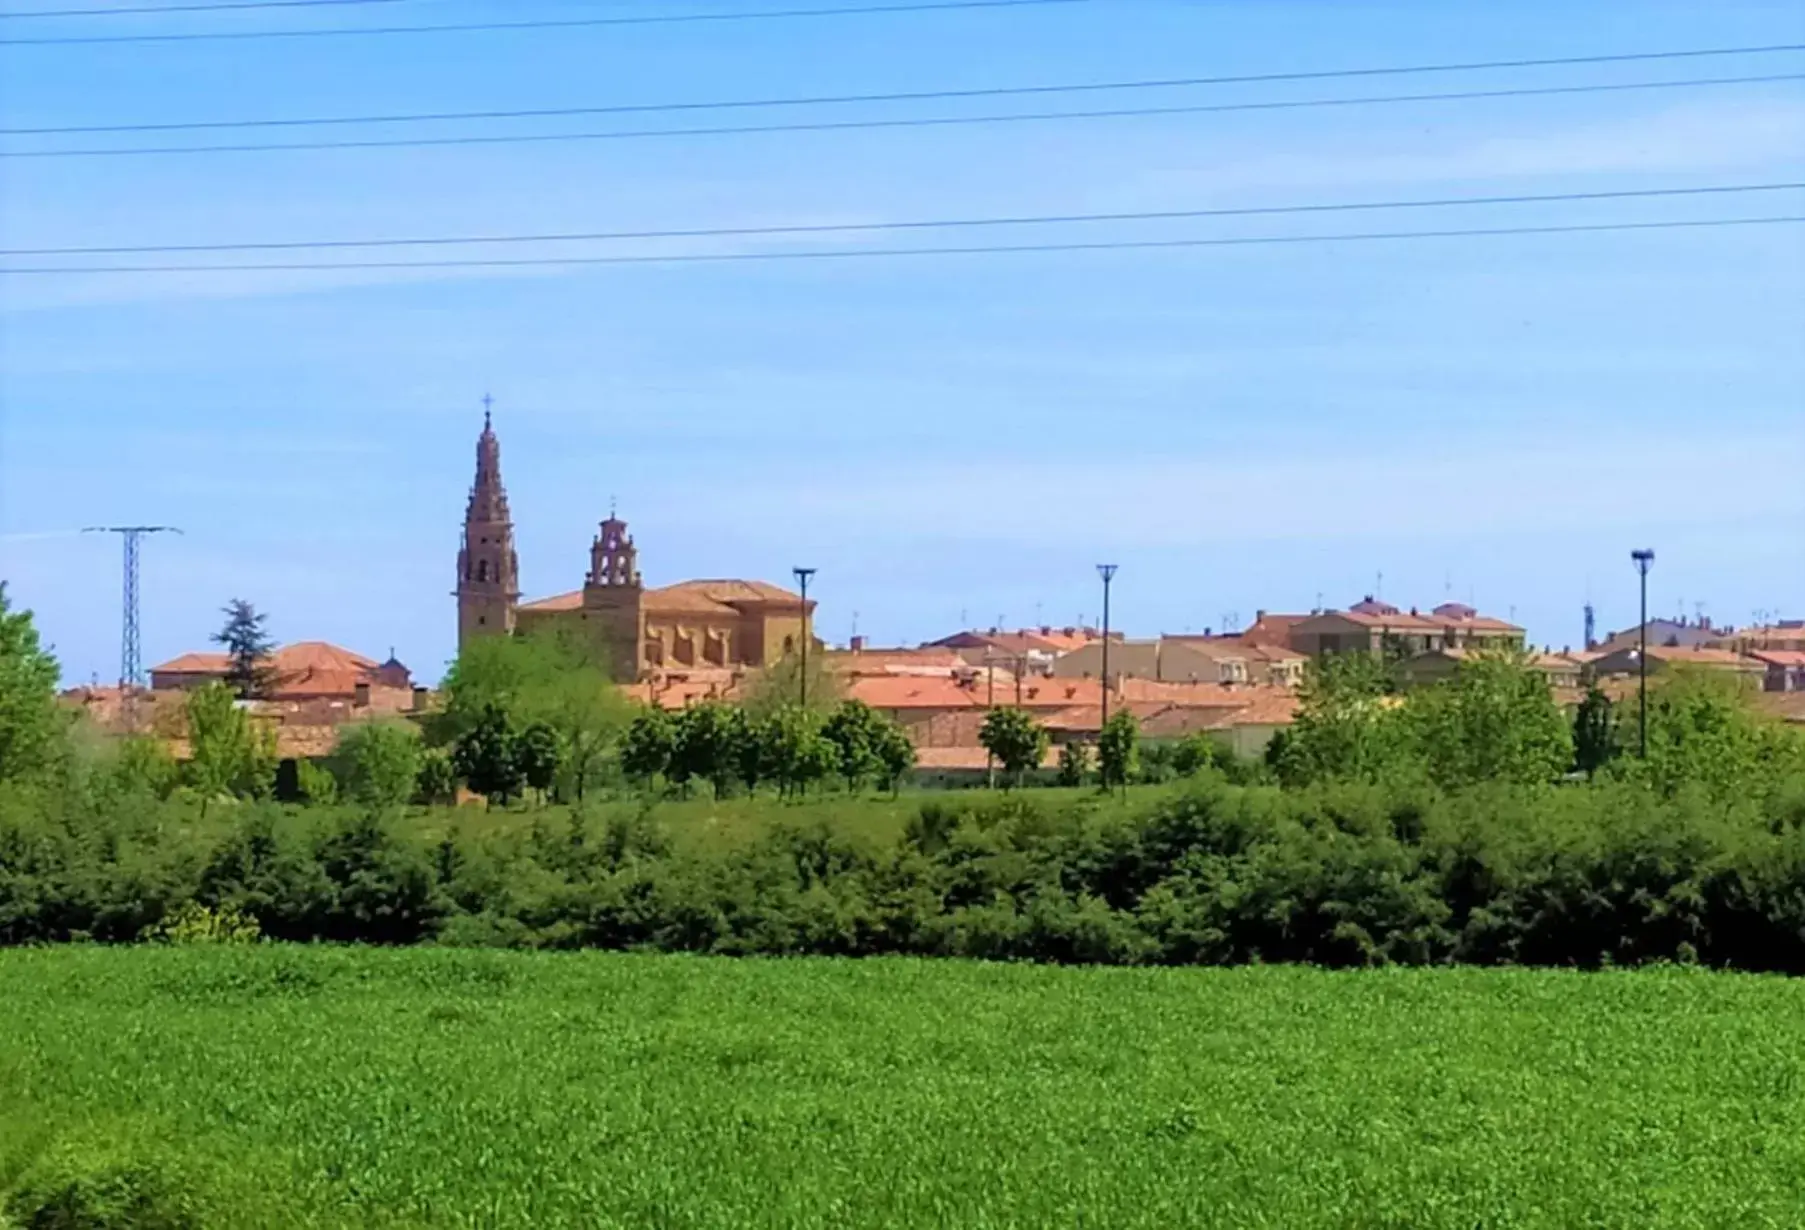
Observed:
{"x":488,"y":570}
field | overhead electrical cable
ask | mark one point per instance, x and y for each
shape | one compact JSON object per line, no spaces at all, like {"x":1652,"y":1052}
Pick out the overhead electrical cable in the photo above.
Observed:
{"x":543,"y":23}
{"x":829,"y":228}
{"x":816,"y":100}
{"x":151,"y":9}
{"x":863,"y":253}
{"x":868,"y":124}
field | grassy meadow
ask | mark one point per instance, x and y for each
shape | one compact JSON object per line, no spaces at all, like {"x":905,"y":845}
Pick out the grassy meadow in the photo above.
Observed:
{"x":281,"y":1085}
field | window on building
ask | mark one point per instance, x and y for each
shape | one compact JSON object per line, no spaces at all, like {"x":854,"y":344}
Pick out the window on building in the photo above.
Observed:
{"x":482,"y":570}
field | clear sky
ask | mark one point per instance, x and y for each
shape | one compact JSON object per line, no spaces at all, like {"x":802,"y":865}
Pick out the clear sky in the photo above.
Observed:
{"x":945,"y":438}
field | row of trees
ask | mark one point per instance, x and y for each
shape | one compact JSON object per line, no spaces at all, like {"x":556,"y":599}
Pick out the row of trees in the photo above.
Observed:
{"x":789,"y":747}
{"x":1496,"y":721}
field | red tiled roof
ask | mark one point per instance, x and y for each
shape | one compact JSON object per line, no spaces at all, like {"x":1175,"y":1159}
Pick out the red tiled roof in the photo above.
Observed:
{"x":288,"y":659}
{"x":1270,"y":629}
{"x":1779,"y":657}
{"x":195,"y":664}
{"x":924,"y":661}
{"x":557,"y":602}
{"x":1195,"y":695}
{"x":1687,"y":655}
{"x":913,"y":692}
{"x":718,"y":596}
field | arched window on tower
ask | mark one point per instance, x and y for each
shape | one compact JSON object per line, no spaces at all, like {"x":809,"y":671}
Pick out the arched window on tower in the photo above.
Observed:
{"x":482,"y":570}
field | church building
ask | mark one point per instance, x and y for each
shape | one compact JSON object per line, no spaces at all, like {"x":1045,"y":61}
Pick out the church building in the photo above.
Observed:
{"x":637,"y":631}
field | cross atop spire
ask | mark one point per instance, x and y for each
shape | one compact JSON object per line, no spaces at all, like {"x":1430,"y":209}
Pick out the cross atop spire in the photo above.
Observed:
{"x":487,"y":403}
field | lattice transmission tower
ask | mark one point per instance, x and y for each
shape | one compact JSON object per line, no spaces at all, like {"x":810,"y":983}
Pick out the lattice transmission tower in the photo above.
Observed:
{"x":131,"y":664}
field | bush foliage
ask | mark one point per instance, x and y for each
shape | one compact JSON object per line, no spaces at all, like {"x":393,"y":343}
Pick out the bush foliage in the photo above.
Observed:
{"x":1615,"y":872}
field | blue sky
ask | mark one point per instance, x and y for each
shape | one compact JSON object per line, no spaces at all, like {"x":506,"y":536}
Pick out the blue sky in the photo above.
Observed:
{"x":1495,"y":419}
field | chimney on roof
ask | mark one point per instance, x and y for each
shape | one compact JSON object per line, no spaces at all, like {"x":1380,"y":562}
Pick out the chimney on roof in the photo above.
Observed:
{"x":1258,"y":616}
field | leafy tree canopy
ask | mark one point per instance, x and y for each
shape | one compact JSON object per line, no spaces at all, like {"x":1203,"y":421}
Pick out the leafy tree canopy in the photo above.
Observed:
{"x":1016,"y":740}
{"x":32,"y":728}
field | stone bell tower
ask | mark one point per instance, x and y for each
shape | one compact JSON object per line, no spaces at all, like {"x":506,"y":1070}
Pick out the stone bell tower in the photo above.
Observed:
{"x":613,"y":601}
{"x":488,"y":572}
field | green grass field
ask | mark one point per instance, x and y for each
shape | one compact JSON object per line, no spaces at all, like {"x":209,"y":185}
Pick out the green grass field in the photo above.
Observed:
{"x":283,"y":1086}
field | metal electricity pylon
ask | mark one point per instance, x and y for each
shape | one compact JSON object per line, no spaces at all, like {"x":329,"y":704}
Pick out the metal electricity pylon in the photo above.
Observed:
{"x":131,"y":666}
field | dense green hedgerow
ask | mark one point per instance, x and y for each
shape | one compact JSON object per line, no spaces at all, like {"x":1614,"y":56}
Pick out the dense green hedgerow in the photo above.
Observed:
{"x":1613,"y":872}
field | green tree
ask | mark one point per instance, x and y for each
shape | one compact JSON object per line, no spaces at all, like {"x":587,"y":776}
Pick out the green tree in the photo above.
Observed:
{"x":854,"y":730}
{"x":248,"y":649}
{"x":1074,"y":764}
{"x":1348,"y":725}
{"x":32,"y":728}
{"x":487,"y":758}
{"x":1594,"y":732}
{"x":1704,"y":731}
{"x":313,"y":784}
{"x":779,"y":686}
{"x":646,"y":748}
{"x":1018,"y":742}
{"x":1495,"y":721}
{"x":752,"y":755}
{"x":377,"y":764}
{"x":799,"y":754}
{"x":229,"y":754}
{"x":436,"y":782}
{"x":553,"y":677}
{"x":538,"y":749}
{"x":143,"y":765}
{"x":1118,"y":750}
{"x":705,"y":746}
{"x":895,"y":755}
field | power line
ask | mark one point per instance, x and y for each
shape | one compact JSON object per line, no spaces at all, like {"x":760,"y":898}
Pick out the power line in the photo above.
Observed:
{"x":908,"y":122}
{"x":546,"y":23}
{"x":907,"y":96}
{"x":190,"y":8}
{"x":829,"y":228}
{"x":974,"y":250}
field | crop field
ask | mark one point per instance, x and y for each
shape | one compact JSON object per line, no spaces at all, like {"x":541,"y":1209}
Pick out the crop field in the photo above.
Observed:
{"x":168,"y":1087}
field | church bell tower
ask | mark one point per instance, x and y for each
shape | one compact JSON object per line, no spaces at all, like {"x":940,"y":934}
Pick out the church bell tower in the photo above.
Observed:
{"x":613,"y":601}
{"x":488,"y":572}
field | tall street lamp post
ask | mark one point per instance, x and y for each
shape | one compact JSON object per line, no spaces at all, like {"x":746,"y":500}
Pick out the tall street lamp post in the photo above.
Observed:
{"x":802,"y":576}
{"x":1108,"y":573}
{"x":1644,"y":559}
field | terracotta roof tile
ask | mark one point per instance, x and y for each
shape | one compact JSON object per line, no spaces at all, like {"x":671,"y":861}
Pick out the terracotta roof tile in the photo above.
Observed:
{"x":891,"y":692}
{"x":195,"y":663}
{"x":718,"y":596}
{"x":924,"y":661}
{"x":1779,"y":657}
{"x":557,"y":602}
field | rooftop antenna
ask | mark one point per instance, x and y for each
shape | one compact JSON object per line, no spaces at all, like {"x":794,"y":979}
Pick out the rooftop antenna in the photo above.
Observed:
{"x":131,"y":665}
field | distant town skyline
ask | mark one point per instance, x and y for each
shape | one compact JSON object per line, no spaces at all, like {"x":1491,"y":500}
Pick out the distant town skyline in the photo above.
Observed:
{"x":1498,"y":420}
